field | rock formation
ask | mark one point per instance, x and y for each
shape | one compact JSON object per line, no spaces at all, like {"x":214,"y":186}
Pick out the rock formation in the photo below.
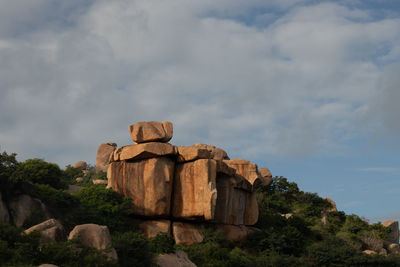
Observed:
{"x":394,"y":233}
{"x":103,"y":156}
{"x":80,"y":165}
{"x":4,"y":215}
{"x":96,"y":236}
{"x":51,"y":231}
{"x":23,"y":206}
{"x":177,"y":259}
{"x":182,"y":188}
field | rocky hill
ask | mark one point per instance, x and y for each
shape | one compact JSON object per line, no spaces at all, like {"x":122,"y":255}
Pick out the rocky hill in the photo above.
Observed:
{"x":175,"y":206}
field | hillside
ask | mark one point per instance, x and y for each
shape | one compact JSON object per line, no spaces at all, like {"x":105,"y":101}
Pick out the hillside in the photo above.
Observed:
{"x":279,"y":225}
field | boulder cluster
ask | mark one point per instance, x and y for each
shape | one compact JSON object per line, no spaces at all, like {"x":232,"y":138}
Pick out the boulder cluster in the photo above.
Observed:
{"x":179,"y":189}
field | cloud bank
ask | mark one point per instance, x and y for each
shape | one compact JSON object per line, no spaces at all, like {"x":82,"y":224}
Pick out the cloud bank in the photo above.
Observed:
{"x":286,"y":78}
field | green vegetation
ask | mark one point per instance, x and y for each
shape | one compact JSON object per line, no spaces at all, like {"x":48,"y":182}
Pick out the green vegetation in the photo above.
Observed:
{"x":296,"y":228}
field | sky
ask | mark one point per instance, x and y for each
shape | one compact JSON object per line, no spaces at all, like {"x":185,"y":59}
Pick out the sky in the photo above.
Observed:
{"x":307,"y":88}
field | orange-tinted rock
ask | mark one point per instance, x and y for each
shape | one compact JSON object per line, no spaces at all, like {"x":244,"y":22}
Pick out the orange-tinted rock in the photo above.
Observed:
{"x":151,"y":131}
{"x":153,"y":228}
{"x":236,"y":203}
{"x":148,"y":182}
{"x":195,"y":191}
{"x":333,"y":208}
{"x":393,"y":236}
{"x":266,"y":176}
{"x":246,"y":169}
{"x":190,"y":153}
{"x":215,"y":152}
{"x":223,"y":168}
{"x":187,"y":233}
{"x":100,"y":181}
{"x":143,"y":151}
{"x":103,"y":156}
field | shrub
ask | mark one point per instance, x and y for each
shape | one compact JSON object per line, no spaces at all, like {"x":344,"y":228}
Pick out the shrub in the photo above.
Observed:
{"x":162,"y":243}
{"x":132,"y":249}
{"x":40,"y":172}
{"x":8,"y":164}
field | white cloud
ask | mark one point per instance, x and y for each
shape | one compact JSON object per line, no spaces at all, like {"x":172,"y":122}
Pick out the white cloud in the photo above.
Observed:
{"x":301,"y":85}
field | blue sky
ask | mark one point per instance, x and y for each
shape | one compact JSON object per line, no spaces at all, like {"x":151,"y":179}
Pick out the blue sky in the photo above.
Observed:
{"x":309,"y":89}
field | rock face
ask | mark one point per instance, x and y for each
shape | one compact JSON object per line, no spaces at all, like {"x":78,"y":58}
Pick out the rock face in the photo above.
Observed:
{"x":4,"y":215}
{"x":333,"y":205}
{"x":143,"y":151}
{"x":152,"y":228}
{"x":148,"y":182}
{"x":393,"y":249}
{"x":195,"y":191}
{"x":96,"y":236}
{"x":151,"y":131}
{"x":177,"y":259}
{"x":103,"y":156}
{"x":23,"y":206}
{"x":394,"y":234}
{"x":81,"y":165}
{"x":187,"y":233}
{"x":51,"y":231}
{"x":184,"y":186}
{"x":236,"y":234}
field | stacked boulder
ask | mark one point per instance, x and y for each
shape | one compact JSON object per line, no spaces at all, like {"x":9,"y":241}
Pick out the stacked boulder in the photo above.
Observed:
{"x":179,"y":189}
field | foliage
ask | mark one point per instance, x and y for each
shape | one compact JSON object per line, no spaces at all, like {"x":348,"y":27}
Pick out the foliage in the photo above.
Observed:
{"x":40,"y":172}
{"x":8,"y":165}
{"x":70,"y":173}
{"x":162,"y":243}
{"x":132,"y":249}
{"x":104,"y":206}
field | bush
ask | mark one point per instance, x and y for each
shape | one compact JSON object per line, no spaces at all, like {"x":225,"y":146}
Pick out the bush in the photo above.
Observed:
{"x":8,"y":165}
{"x":162,"y":243}
{"x":132,"y":249}
{"x":40,"y":172}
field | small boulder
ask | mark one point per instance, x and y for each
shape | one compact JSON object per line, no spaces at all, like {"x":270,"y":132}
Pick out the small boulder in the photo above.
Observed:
{"x":266,"y":176}
{"x":177,"y":259}
{"x":79,"y":179}
{"x":95,"y":236}
{"x":47,"y":265}
{"x":103,"y":156}
{"x":333,"y":204}
{"x":51,"y":231}
{"x":394,"y":233}
{"x":369,"y":252}
{"x":80,"y":165}
{"x":151,"y":131}
{"x":187,"y":233}
{"x":393,"y":248}
{"x":100,"y":181}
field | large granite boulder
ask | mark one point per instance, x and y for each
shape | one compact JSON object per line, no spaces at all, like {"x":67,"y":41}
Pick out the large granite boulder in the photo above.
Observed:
{"x":187,"y":233}
{"x":151,"y":131}
{"x":195,"y":192}
{"x":51,"y":231}
{"x":95,"y":236}
{"x":143,"y":151}
{"x":236,"y":233}
{"x":148,"y":182}
{"x":152,"y":228}
{"x":394,"y":233}
{"x":4,"y":215}
{"x":216,"y":153}
{"x":246,"y":169}
{"x":177,"y":259}
{"x":23,"y":206}
{"x":103,"y":156}
{"x":393,"y":248}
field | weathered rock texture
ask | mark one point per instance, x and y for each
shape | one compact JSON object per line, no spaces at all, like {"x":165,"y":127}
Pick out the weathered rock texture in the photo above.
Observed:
{"x":177,"y":259}
{"x":185,"y":186}
{"x":266,"y":176}
{"x":152,"y":228}
{"x":151,"y":131}
{"x":51,"y":231}
{"x":103,"y":156}
{"x":148,"y":182}
{"x":394,"y":234}
{"x":24,"y":206}
{"x":96,"y":236}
